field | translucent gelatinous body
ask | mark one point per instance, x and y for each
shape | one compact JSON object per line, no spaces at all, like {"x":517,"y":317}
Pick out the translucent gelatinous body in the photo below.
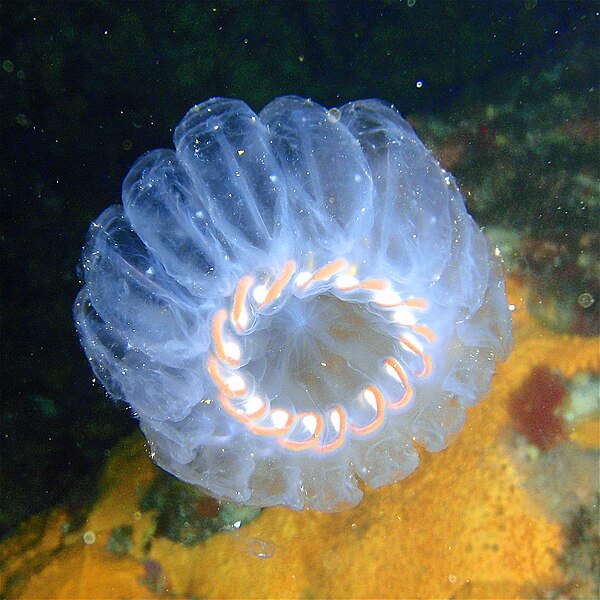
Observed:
{"x":290,"y":301}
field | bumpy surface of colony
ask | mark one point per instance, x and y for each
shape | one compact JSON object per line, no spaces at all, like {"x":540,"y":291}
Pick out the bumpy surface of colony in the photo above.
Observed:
{"x":291,"y":301}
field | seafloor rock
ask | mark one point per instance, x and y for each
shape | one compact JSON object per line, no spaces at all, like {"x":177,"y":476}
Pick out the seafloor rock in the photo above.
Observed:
{"x":463,"y":526}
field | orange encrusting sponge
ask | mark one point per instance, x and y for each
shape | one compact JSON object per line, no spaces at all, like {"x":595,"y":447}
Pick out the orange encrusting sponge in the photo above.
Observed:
{"x":461,"y":526}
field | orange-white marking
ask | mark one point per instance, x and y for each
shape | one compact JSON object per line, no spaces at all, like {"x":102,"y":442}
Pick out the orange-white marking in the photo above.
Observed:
{"x":254,"y":412}
{"x":233,"y":386}
{"x":425,"y":331}
{"x":324,"y":273}
{"x":339,"y":420}
{"x":416,"y":303}
{"x":346,"y":283}
{"x":413,"y":347}
{"x":282,"y":421}
{"x":277,"y":287}
{"x":376,"y":285}
{"x":314,"y":424}
{"x":240,"y":315}
{"x":228,"y":352}
{"x":349,"y":283}
{"x":387,"y":299}
{"x":245,"y":412}
{"x":395,"y":370}
{"x":374,"y":398}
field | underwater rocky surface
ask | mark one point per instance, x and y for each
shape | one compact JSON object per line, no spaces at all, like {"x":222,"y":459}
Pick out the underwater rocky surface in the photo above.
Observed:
{"x":479,"y":520}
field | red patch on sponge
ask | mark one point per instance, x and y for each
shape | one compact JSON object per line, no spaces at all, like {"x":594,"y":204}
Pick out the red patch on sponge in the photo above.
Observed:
{"x":533,"y":407}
